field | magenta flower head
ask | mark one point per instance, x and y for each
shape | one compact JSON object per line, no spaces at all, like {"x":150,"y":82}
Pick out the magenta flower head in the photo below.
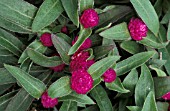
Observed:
{"x":86,"y":44}
{"x":46,"y":39}
{"x":64,"y":30}
{"x":81,"y":81}
{"x":47,"y":101}
{"x":109,"y":76}
{"x":166,"y":96}
{"x":58,"y":68}
{"x":138,"y":29}
{"x":89,"y":18}
{"x":79,"y":61}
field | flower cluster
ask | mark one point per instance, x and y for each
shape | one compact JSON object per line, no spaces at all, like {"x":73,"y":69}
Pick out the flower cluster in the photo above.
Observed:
{"x":47,"y":101}
{"x":138,"y":29}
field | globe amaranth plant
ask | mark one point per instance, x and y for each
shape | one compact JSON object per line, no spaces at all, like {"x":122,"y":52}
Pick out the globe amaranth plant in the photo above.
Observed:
{"x":84,"y":55}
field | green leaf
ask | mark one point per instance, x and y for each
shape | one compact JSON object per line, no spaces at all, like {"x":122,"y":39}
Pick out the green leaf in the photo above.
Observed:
{"x":32,"y":85}
{"x":84,"y":99}
{"x":134,"y":108}
{"x":147,"y":12}
{"x":85,"y":4}
{"x":60,"y":88}
{"x":112,"y":15}
{"x":144,"y":85}
{"x":84,"y":34}
{"x":71,"y":8}
{"x":161,"y":85}
{"x":150,"y":103}
{"x":117,"y":86}
{"x":133,"y":62}
{"x":62,"y":48}
{"x":130,"y":81}
{"x":166,"y":56}
{"x":91,"y":108}
{"x":152,"y":41}
{"x":117,"y":32}
{"x":158,"y":7}
{"x":159,"y":72}
{"x":20,"y":102}
{"x":157,"y":63}
{"x":65,"y":37}
{"x":5,"y":99}
{"x":7,"y":41}
{"x":131,"y":47}
{"x":68,"y":106}
{"x":102,"y":99}
{"x":6,"y":77}
{"x":166,"y":17}
{"x":17,"y":15}
{"x":101,"y":51}
{"x":4,"y":88}
{"x":99,"y":67}
{"x":162,"y":106}
{"x":48,"y":12}
{"x":168,"y":32}
{"x":36,"y":45}
{"x":42,"y":60}
{"x":7,"y":57}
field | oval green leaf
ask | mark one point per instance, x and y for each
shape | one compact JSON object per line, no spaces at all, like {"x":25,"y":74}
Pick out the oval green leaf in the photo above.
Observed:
{"x":133,"y":62}
{"x":152,"y":41}
{"x":144,"y":86}
{"x":71,"y":8}
{"x":99,"y":67}
{"x":17,"y":15}
{"x":102,"y":99}
{"x":62,"y":48}
{"x":36,"y":45}
{"x":69,"y":106}
{"x":147,"y":12}
{"x":42,"y":60}
{"x":161,"y":86}
{"x":48,"y":12}
{"x":117,"y":32}
{"x":84,"y":34}
{"x":84,"y":99}
{"x":117,"y":86}
{"x":150,"y":103}
{"x":32,"y":85}
{"x":60,"y":88}
{"x":85,"y":4}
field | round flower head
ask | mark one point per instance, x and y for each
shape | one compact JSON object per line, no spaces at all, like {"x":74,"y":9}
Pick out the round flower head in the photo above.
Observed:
{"x":79,"y":61}
{"x":89,"y":18}
{"x":109,"y":76}
{"x":58,"y":68}
{"x":86,"y":44}
{"x":64,"y":30}
{"x":81,"y":81}
{"x":46,"y":39}
{"x":47,"y":101}
{"x":166,"y":96}
{"x":138,"y":29}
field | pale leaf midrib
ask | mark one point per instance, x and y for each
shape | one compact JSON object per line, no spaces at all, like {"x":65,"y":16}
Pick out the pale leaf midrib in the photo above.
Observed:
{"x":17,"y":11}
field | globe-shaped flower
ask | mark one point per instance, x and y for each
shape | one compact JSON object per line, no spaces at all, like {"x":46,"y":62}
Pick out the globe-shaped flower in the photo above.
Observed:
{"x":46,"y":39}
{"x":138,"y":29}
{"x":81,"y":81}
{"x":109,"y":76}
{"x":86,"y":44}
{"x":47,"y":101}
{"x":79,"y":61}
{"x":64,"y":30}
{"x":89,"y":18}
